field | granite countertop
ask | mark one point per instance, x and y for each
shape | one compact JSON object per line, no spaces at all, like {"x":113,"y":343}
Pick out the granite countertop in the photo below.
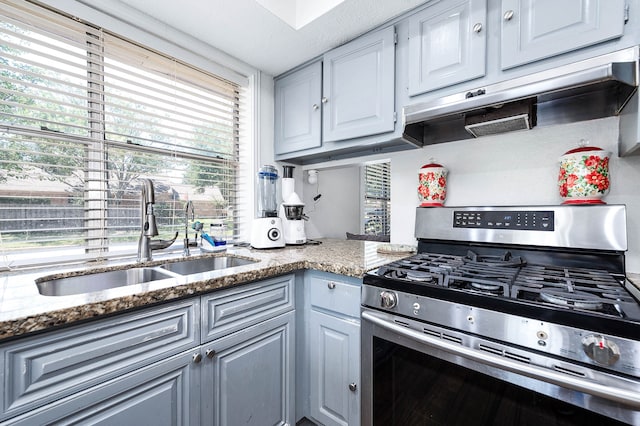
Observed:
{"x":24,"y":310}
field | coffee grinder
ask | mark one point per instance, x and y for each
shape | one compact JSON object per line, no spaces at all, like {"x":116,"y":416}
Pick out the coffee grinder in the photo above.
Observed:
{"x":266,"y":229}
{"x":291,"y":210}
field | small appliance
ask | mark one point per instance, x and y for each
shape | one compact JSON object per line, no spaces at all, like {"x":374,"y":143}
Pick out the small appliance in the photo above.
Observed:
{"x":266,"y":230}
{"x":291,"y":210}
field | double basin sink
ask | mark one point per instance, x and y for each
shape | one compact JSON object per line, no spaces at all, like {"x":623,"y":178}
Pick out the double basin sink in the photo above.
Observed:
{"x":99,"y":281}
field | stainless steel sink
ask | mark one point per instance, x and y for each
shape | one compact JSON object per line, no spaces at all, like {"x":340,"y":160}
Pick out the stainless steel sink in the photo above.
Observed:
{"x":205,"y":264}
{"x":100,"y":281}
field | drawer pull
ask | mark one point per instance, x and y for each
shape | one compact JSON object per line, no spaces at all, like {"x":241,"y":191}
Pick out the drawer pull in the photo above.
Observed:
{"x":210,"y":353}
{"x":508,"y":15}
{"x":197,"y":358}
{"x":353,"y":387}
{"x":331,"y":285}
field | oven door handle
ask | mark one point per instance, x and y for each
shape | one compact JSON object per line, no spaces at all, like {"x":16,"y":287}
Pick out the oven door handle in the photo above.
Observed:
{"x":631,"y":398}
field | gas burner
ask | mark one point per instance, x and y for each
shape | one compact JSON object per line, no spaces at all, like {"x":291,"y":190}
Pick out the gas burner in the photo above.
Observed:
{"x":421,"y":276}
{"x":486,"y":287}
{"x":505,"y":259}
{"x":477,"y":285}
{"x":577,"y":299}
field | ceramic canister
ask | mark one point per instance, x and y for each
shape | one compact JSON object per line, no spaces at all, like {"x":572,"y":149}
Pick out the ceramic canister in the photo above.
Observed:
{"x":432,"y":185}
{"x":584,"y":175}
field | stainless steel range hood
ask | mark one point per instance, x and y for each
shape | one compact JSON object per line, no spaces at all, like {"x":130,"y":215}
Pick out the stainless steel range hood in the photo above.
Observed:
{"x":594,"y":88}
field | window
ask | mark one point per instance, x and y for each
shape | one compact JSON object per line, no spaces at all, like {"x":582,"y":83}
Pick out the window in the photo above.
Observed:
{"x":377,"y":198}
{"x":84,"y":116}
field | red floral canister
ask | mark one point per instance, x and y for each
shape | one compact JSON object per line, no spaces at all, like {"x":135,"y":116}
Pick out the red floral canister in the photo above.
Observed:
{"x":432,"y":187}
{"x":584,"y":175}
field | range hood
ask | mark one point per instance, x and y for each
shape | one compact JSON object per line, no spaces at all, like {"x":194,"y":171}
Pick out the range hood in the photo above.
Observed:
{"x":593,"y":88}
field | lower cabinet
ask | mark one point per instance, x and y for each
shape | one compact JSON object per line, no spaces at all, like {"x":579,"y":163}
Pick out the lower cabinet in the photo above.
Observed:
{"x":334,"y":369}
{"x":333,"y":348}
{"x":247,"y":377}
{"x":151,"y":367}
{"x":164,"y":393}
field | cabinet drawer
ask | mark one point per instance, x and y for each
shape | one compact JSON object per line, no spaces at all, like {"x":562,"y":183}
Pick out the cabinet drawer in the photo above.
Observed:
{"x":228,"y":311}
{"x":41,"y":369}
{"x":335,"y":296}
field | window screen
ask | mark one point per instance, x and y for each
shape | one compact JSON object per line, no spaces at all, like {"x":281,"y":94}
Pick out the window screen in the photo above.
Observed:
{"x":84,"y":116}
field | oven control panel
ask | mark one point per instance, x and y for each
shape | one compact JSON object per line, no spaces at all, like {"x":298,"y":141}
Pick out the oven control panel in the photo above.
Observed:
{"x":521,"y":220}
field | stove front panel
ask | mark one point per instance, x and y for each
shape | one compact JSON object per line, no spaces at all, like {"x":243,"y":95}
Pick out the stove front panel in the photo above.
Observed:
{"x":574,"y":344}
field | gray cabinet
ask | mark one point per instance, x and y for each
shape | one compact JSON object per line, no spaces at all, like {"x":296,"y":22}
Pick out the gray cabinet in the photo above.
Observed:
{"x":163,"y":393}
{"x":249,"y":363}
{"x":336,"y":105}
{"x":447,"y":44}
{"x":359,"y":87}
{"x":248,"y":376}
{"x":159,"y":366}
{"x":334,"y":355}
{"x":536,"y":29}
{"x":298,"y":115}
{"x":45,"y":368}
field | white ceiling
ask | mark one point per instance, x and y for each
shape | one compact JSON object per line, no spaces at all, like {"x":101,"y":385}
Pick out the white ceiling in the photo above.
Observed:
{"x":246,"y":30}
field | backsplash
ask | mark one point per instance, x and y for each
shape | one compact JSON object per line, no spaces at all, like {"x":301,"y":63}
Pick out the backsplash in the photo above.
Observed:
{"x":516,"y":169}
{"x":519,"y":168}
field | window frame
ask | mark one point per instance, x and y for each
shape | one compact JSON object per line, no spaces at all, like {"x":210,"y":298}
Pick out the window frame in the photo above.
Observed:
{"x":97,"y":221}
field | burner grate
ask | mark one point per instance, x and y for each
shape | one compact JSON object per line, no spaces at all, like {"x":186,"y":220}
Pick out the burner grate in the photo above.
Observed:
{"x":508,"y":277}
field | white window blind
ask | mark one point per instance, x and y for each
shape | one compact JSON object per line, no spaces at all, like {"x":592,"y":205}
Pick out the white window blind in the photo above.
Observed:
{"x":84,"y":116}
{"x":377,"y":198}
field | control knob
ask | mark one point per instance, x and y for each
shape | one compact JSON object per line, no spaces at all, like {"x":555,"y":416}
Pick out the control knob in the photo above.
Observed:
{"x":388,"y":299}
{"x":601,"y":350}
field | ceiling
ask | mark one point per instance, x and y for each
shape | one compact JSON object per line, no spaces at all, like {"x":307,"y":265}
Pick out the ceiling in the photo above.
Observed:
{"x":248,"y":31}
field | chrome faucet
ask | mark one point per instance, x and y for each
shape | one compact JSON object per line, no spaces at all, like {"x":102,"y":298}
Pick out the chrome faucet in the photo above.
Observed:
{"x":148,"y":220}
{"x":189,"y":212}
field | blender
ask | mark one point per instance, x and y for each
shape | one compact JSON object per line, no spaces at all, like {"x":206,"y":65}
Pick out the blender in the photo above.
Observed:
{"x":266,"y":230}
{"x":291,"y":210}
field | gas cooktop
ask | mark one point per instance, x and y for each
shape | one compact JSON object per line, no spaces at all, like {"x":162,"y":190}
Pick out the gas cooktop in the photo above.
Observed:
{"x":510,"y":277}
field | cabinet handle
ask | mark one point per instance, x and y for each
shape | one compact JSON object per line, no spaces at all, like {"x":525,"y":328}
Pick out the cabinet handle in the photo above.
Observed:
{"x":331,"y":285}
{"x":210,"y":353}
{"x":197,"y":358}
{"x":477,"y":27}
{"x":478,"y":92}
{"x":353,"y":387}
{"x":508,"y":15}
{"x":324,"y":100}
{"x":315,"y":107}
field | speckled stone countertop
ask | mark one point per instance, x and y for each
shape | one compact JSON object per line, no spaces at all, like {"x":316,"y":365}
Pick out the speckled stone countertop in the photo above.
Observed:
{"x":24,"y":310}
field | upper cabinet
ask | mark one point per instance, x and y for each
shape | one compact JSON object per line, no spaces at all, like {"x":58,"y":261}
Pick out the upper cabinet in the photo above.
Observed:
{"x":336,"y":104}
{"x":358,"y":87}
{"x":447,"y":45}
{"x":538,"y":29}
{"x":297,"y":110}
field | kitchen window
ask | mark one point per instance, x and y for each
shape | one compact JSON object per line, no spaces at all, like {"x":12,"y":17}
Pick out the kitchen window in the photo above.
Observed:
{"x":84,"y":116}
{"x":377,"y":198}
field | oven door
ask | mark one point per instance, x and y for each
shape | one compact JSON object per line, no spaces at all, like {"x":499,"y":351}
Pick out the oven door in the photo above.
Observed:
{"x":410,"y":378}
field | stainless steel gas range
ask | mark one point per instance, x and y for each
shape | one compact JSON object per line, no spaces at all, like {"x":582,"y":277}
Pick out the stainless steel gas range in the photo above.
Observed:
{"x":506,"y":315}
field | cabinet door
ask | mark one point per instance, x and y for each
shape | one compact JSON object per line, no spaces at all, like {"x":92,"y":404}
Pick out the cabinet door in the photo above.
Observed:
{"x":297,"y":110}
{"x":46,"y":367}
{"x":358,"y":87}
{"x":248,"y":379}
{"x":447,"y":45}
{"x":164,"y":393}
{"x":537,"y":29}
{"x":335,"y":370}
